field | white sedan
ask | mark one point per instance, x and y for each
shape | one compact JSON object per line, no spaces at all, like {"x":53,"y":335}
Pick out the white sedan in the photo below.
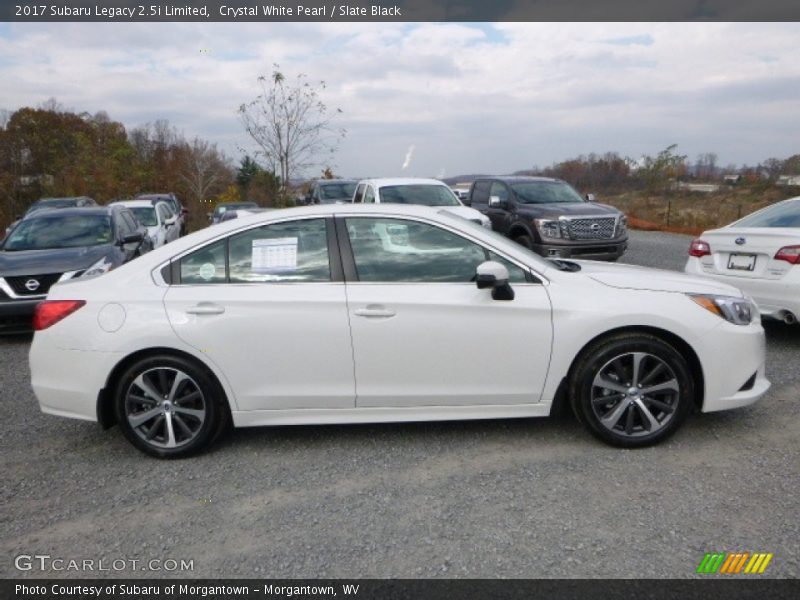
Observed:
{"x":355,"y":314}
{"x":759,"y":254}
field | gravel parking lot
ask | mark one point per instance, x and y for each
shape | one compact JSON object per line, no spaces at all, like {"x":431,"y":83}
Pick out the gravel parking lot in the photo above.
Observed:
{"x":514,"y":498}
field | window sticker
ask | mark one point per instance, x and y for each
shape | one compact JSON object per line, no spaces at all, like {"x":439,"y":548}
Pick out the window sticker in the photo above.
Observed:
{"x":277,"y":254}
{"x":207,"y":271}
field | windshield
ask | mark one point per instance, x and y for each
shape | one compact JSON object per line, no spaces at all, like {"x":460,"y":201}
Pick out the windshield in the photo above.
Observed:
{"x":546,"y":192}
{"x":422,"y":193}
{"x":145,"y":215}
{"x":72,"y":231}
{"x":336,"y":191}
{"x":784,"y":214}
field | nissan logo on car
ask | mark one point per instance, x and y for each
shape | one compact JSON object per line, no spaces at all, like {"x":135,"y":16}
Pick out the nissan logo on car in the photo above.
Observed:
{"x":594,"y":226}
{"x":32,"y":285}
{"x":740,"y":241}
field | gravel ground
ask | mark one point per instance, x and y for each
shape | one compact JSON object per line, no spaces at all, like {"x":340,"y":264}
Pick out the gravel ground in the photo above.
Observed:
{"x":514,"y":498}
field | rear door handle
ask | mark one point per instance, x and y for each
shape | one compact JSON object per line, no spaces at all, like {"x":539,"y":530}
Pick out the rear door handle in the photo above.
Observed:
{"x":206,"y":308}
{"x":375,"y":311}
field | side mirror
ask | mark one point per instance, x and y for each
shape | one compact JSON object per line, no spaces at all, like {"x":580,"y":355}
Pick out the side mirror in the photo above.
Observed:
{"x":590,"y":197}
{"x":137,"y":237}
{"x":492,"y":274}
{"x":495,"y":202}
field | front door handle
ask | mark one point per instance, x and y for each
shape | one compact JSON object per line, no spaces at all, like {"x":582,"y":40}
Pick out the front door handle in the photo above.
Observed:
{"x":375,"y":311}
{"x":206,"y":308}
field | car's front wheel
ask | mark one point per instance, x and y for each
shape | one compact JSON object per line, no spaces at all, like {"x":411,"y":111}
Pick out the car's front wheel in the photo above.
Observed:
{"x":525,"y":241}
{"x":631,"y":390}
{"x":169,"y":407}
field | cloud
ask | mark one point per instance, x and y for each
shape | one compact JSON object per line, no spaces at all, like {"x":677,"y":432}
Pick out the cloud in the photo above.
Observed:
{"x":468,"y":97}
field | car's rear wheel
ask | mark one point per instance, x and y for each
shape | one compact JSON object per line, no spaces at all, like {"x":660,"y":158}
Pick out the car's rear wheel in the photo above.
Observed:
{"x":631,"y":390}
{"x":169,"y":407}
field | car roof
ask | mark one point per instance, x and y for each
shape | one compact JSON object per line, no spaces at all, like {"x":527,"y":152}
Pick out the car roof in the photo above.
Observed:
{"x":335,"y":181}
{"x":60,"y":199}
{"x":82,"y":210}
{"x":387,"y":181}
{"x":137,"y":203}
{"x":517,"y":178}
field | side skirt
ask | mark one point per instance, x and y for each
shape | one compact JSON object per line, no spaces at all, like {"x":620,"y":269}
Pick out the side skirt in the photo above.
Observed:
{"x":330,"y":416}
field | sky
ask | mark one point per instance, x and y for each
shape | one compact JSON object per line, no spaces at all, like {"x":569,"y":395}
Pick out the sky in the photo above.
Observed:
{"x":469,"y":98}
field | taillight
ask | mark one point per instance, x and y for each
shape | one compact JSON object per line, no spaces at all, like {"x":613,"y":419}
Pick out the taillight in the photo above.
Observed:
{"x":50,"y":312}
{"x":790,"y":254}
{"x":699,"y":248}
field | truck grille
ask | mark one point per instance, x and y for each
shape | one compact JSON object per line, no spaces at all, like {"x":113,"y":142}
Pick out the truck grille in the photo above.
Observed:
{"x":601,"y":228}
{"x":18,"y":284}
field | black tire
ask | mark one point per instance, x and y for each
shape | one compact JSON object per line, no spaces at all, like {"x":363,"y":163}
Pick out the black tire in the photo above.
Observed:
{"x":609,"y":385}
{"x":525,"y":241}
{"x":183,"y":420}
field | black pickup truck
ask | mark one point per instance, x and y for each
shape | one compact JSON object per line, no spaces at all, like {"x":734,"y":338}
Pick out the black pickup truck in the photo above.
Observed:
{"x":550,"y":217}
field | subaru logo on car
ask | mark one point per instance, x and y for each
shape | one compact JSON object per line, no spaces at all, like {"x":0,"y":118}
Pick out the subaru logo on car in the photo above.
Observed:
{"x":32,"y":285}
{"x":740,"y":241}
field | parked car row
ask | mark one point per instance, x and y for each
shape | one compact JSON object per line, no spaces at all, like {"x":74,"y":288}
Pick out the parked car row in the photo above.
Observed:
{"x":63,"y":239}
{"x":543,"y":214}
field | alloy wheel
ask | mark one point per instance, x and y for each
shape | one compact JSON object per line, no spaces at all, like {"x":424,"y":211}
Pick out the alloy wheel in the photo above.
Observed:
{"x":165,"y":407}
{"x":635,"y":394}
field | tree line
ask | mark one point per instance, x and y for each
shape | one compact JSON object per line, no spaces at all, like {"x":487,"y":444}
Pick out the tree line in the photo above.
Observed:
{"x":610,"y":173}
{"x":51,"y":151}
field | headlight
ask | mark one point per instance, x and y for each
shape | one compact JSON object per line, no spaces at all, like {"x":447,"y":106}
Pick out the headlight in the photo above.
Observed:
{"x":549,"y":228}
{"x":622,"y":227}
{"x":740,"y":311}
{"x":101,"y":266}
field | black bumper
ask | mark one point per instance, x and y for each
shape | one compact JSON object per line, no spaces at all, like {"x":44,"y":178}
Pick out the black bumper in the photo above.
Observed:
{"x":16,"y":315}
{"x":598,"y":250}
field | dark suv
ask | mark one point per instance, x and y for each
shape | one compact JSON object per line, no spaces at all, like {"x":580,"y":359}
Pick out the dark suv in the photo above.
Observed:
{"x":550,"y":217}
{"x":56,"y":245}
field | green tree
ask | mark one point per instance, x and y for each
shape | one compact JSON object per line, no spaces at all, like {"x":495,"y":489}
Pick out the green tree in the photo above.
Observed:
{"x":657,"y":172}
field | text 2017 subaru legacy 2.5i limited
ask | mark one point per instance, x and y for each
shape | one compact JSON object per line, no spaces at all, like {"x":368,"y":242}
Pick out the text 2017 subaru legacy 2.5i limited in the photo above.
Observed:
{"x":385,"y":313}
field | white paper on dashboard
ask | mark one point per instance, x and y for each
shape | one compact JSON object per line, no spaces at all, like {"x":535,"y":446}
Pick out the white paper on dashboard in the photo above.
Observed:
{"x":278,"y":254}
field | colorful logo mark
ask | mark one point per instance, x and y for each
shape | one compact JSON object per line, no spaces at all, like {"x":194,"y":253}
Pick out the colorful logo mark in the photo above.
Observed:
{"x":734,"y":563}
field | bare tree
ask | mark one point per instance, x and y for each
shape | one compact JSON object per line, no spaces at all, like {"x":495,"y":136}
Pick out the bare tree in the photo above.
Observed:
{"x":203,"y":168}
{"x":706,"y":166}
{"x":291,"y":125}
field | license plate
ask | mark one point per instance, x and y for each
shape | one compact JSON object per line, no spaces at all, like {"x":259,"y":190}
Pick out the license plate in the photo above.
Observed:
{"x":742,"y":262}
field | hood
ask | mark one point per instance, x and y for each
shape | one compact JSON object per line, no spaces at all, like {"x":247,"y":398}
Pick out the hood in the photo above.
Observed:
{"x":657,"y":280}
{"x":568,"y":209}
{"x":465,"y":212}
{"x":56,"y":260}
